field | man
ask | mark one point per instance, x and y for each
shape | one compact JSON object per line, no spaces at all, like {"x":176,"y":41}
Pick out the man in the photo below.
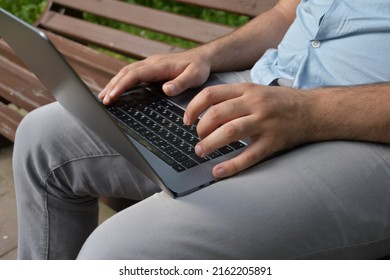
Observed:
{"x":317,"y":92}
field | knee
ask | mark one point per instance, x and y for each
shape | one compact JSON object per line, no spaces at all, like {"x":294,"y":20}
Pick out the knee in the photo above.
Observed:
{"x":135,"y":233}
{"x":44,"y":134}
{"x":37,"y":139}
{"x":38,"y":129}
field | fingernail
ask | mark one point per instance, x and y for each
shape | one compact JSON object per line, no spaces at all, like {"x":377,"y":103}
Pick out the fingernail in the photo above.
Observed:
{"x":170,"y":89}
{"x":106,"y":99}
{"x":199,"y":151}
{"x":219,"y":172}
{"x":101,"y":94}
{"x":185,"y":119}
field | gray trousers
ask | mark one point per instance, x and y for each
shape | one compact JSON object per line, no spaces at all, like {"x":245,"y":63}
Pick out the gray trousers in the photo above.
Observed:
{"x":327,"y":200}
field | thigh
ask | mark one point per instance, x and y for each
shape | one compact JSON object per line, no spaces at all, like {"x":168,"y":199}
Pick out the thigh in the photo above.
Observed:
{"x":55,"y":151}
{"x":325,"y":200}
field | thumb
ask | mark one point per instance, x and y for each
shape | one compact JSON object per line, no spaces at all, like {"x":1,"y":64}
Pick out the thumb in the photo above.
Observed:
{"x":190,"y":77}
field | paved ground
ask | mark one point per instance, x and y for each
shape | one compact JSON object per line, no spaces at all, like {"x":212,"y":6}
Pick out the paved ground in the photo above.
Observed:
{"x":8,"y":227}
{"x":8,"y":222}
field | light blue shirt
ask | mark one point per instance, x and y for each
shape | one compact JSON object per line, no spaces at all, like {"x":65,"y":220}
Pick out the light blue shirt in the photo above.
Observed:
{"x":332,"y":43}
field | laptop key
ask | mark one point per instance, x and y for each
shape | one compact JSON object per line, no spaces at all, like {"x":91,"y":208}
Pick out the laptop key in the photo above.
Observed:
{"x":181,"y":158}
{"x":165,"y":147}
{"x":192,"y":140}
{"x":177,"y":110}
{"x":214,"y":155}
{"x":225,"y":150}
{"x":189,"y":163}
{"x":165,"y":158}
{"x":146,"y":133}
{"x":188,"y":150}
{"x":138,"y":128}
{"x":198,"y":159}
{"x":237,"y":145}
{"x":179,"y":168}
{"x":173,"y":152}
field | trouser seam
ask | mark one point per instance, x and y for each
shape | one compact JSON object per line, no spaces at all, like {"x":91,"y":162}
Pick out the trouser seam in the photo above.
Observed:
{"x":74,"y":160}
{"x":140,"y":193}
{"x":46,"y":225}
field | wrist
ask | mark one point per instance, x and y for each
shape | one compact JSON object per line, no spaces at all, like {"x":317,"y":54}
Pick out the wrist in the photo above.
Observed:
{"x":328,"y":115}
{"x":208,"y":54}
{"x":311,"y":123}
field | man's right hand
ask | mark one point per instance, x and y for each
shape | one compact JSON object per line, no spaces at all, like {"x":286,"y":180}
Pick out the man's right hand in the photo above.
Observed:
{"x":180,"y":71}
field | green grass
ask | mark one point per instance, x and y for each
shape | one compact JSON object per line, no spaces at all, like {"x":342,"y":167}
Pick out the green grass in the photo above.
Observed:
{"x":28,"y":10}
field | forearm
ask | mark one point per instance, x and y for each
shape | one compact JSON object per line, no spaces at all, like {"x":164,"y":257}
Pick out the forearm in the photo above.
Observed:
{"x":349,"y":113}
{"x":243,"y":47}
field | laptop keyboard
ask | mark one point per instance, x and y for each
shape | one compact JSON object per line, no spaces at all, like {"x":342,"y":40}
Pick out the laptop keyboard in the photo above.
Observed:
{"x":157,"y":124}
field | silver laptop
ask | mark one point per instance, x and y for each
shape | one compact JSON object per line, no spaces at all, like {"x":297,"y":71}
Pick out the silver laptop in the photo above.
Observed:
{"x":144,"y":125}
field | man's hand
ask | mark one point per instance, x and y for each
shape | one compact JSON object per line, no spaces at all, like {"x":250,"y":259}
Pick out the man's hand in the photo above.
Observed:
{"x":180,"y":70}
{"x":274,"y":118}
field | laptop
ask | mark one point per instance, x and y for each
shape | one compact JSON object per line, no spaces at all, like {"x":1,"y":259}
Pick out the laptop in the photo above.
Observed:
{"x":144,"y":125}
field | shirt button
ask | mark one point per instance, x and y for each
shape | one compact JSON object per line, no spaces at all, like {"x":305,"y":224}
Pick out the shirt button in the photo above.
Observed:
{"x":315,"y":44}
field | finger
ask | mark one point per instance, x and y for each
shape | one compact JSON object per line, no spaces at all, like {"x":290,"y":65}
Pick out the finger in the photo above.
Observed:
{"x":252,"y":155}
{"x":111,"y":89}
{"x":237,"y":129}
{"x":221,"y":114}
{"x":110,"y":85}
{"x":131,"y":76}
{"x":191,"y":76}
{"x":208,"y":97}
{"x":137,"y":76}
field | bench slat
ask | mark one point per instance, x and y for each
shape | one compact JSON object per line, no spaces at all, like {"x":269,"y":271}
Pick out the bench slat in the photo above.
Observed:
{"x":119,"y":41}
{"x":97,"y":60}
{"x":176,"y":25}
{"x":19,"y":86}
{"x":95,"y":68}
{"x":250,"y":8}
{"x":10,"y":120}
{"x":9,"y":54}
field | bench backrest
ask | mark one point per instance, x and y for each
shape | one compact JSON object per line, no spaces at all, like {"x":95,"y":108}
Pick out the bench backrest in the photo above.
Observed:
{"x":67,"y":17}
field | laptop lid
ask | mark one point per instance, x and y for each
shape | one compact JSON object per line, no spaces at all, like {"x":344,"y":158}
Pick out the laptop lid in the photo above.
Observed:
{"x":51,"y":68}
